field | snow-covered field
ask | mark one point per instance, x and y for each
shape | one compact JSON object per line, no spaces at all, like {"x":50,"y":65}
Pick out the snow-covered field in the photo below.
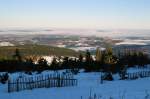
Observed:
{"x":6,"y":44}
{"x":134,"y":42}
{"x":85,"y":48}
{"x":87,"y":82}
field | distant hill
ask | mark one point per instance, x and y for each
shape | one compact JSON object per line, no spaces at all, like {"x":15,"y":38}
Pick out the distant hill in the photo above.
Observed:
{"x":27,"y":50}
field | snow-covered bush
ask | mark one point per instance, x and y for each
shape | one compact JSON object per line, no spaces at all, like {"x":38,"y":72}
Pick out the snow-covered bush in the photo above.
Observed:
{"x":4,"y":78}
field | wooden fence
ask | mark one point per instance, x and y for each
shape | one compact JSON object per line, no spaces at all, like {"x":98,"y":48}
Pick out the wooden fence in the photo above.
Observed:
{"x":139,"y":74}
{"x":131,"y":76}
{"x":41,"y":82}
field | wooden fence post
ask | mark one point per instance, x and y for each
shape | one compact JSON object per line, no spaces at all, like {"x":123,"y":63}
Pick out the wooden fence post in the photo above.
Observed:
{"x":9,"y":85}
{"x":17,"y":84}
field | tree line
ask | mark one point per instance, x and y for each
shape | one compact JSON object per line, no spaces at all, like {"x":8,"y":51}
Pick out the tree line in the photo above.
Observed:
{"x":105,"y":61}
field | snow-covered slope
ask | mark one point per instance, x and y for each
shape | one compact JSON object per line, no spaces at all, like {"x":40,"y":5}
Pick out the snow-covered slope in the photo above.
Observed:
{"x":129,"y":89}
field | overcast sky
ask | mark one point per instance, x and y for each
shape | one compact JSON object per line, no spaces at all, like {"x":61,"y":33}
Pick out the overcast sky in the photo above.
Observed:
{"x":118,"y":14}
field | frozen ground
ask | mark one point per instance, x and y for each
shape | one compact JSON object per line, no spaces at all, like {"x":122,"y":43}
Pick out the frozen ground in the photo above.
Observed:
{"x":128,"y":89}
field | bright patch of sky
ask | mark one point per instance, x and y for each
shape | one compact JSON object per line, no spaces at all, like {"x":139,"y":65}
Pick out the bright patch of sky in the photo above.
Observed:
{"x":127,"y":14}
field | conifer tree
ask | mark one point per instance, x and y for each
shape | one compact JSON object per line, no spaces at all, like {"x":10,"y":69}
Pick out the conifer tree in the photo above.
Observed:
{"x":81,"y":57}
{"x":88,"y":62}
{"x":88,"y":56}
{"x":54,"y":64}
{"x":42,"y":64}
{"x":110,"y":60}
{"x":17,"y":55}
{"x":80,"y":61}
{"x":98,"y":55}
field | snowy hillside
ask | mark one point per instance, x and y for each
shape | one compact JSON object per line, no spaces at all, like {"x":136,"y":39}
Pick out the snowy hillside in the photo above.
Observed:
{"x":87,"y":82}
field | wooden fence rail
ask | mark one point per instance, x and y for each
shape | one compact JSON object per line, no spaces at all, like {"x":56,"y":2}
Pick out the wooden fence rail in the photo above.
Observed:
{"x":40,"y":82}
{"x":131,"y":76}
